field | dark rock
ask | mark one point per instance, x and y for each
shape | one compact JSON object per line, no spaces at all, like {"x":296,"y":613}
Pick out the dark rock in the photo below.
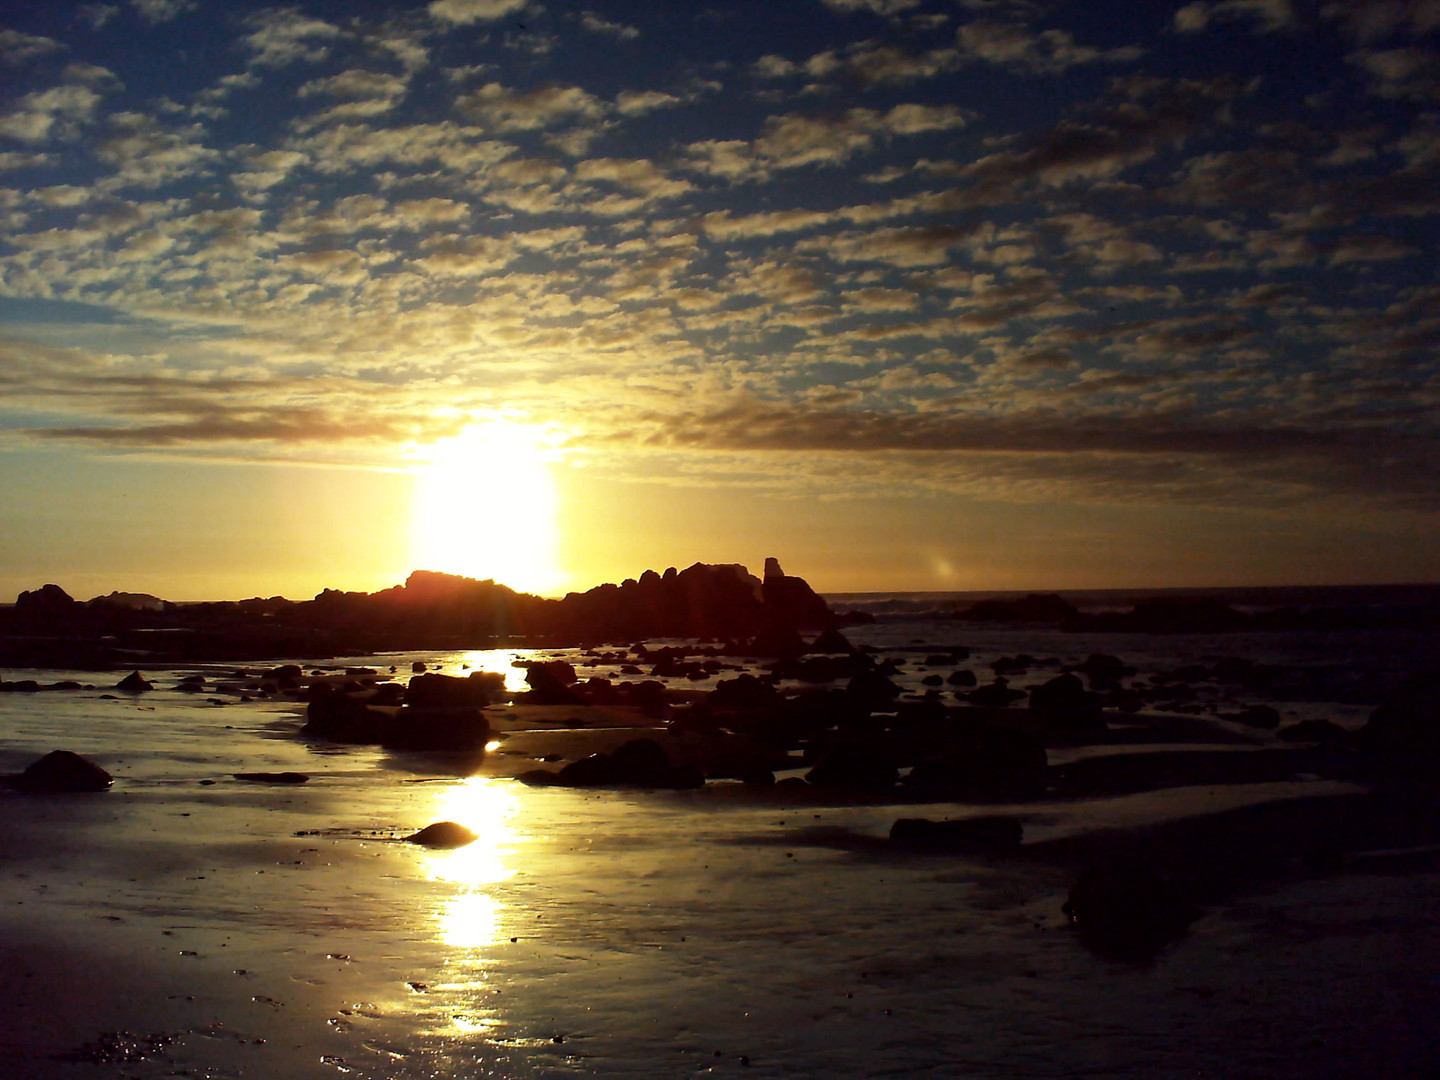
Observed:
{"x":1256,"y":716}
{"x":46,"y":600}
{"x":962,"y":677}
{"x":1066,"y":703}
{"x":872,"y":690}
{"x":449,"y":728}
{"x":550,"y":683}
{"x":744,"y":692}
{"x":443,"y":834}
{"x":983,"y":757}
{"x":1104,"y":671}
{"x":62,"y":771}
{"x":446,"y":690}
{"x":285,"y":677}
{"x":1123,"y":700}
{"x":597,"y":770}
{"x":776,"y":640}
{"x":831,"y":641}
{"x":273,"y":777}
{"x":978,"y":834}
{"x":994,"y":695}
{"x":338,"y":717}
{"x":789,"y":601}
{"x":419,"y":667}
{"x":1035,"y":608}
{"x":1402,"y":736}
{"x":1169,"y":614}
{"x":134,"y":683}
{"x":1014,"y":665}
{"x":858,"y":763}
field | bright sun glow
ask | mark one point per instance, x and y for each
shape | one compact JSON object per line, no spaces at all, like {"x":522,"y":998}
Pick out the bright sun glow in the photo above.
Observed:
{"x":473,"y":918}
{"x":485,"y":507}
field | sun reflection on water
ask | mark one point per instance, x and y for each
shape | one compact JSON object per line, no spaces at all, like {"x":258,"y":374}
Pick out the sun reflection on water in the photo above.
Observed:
{"x":474,"y":917}
{"x":500,"y":661}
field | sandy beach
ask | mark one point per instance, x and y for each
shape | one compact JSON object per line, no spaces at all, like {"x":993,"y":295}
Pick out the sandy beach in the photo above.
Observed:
{"x":188,"y":922}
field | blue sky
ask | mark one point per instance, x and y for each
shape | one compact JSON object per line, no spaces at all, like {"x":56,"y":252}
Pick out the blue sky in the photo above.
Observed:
{"x":900,"y":289}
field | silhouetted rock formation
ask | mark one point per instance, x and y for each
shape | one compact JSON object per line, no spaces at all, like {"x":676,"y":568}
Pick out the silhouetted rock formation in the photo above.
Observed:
{"x":60,"y":772}
{"x":1035,"y":608}
{"x":48,"y":628}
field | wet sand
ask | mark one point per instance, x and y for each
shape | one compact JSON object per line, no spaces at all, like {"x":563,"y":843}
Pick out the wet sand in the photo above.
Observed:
{"x":187,"y":922}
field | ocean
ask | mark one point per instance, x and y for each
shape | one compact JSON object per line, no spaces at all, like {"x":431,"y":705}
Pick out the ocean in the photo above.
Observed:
{"x":191,"y":923}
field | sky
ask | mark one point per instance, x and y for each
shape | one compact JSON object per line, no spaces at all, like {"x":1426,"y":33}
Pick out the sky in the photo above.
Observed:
{"x":910,"y":294}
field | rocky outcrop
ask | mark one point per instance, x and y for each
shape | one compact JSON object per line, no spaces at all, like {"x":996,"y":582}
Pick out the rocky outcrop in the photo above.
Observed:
{"x":636,"y":763}
{"x":1035,"y":608}
{"x":47,"y":627}
{"x":62,"y":771}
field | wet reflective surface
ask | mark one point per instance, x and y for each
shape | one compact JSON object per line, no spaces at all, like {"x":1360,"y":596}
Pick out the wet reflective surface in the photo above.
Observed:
{"x":242,"y":930}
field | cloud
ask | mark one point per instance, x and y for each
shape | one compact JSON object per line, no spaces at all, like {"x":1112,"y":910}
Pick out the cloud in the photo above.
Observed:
{"x":1048,"y":52}
{"x":598,"y":25}
{"x":502,"y":109}
{"x":640,"y":176}
{"x":1268,"y":15}
{"x":161,"y":11}
{"x":796,"y":140}
{"x":142,"y":152}
{"x":464,"y":12}
{"x":1376,"y":20}
{"x":18,"y":48}
{"x":639,"y":102}
{"x":1411,"y":73}
{"x":875,"y":7}
{"x":54,"y":114}
{"x":284,"y":36}
{"x":361,"y":94}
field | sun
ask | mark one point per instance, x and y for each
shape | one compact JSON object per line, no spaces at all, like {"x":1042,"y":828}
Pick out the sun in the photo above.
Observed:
{"x":485,"y":507}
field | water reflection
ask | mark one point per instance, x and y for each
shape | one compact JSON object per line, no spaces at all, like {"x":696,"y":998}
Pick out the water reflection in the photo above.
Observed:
{"x":499,"y":661}
{"x":473,"y":918}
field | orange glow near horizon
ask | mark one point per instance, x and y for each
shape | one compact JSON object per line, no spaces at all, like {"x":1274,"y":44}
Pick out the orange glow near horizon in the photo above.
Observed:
{"x":486,"y":507}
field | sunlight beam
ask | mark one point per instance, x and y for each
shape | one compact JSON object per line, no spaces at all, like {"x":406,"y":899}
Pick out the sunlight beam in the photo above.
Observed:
{"x":486,"y":507}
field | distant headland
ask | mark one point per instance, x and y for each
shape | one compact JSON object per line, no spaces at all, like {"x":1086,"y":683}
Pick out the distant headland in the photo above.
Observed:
{"x":46,"y":627}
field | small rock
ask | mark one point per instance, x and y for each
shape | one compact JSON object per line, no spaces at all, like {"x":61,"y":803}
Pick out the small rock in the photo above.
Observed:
{"x":443,"y":834}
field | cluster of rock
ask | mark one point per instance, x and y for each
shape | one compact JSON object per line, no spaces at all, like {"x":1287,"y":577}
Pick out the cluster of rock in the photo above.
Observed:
{"x":46,"y":627}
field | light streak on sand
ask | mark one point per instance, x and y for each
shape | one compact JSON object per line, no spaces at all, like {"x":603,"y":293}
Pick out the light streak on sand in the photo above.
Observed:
{"x":473,"y":918}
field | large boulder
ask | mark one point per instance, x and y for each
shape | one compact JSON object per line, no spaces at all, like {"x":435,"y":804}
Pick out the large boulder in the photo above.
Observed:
{"x":44,"y":601}
{"x":551,"y":683}
{"x":339,"y":717}
{"x":447,"y":690}
{"x":1066,"y":703}
{"x":636,"y":763}
{"x":134,"y":683}
{"x":789,"y":601}
{"x":1035,"y":608}
{"x":448,"y":728}
{"x":1403,"y":735}
{"x":62,"y":771}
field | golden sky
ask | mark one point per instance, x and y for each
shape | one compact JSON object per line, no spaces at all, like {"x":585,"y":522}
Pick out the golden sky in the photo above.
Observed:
{"x":910,"y":294}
